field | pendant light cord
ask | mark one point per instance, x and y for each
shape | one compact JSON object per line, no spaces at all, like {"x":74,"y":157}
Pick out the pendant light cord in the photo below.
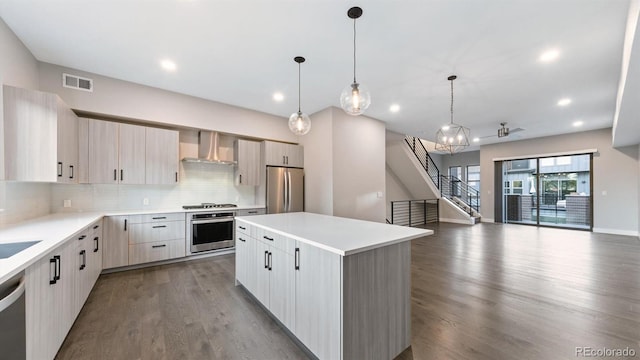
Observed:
{"x":452,"y":101}
{"x":354,"y":51}
{"x":299,"y":88}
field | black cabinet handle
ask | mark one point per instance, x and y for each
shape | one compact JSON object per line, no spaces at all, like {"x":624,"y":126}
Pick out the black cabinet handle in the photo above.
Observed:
{"x":297,"y":259}
{"x":241,"y":239}
{"x":58,"y":266}
{"x":159,"y":226}
{"x":176,"y":176}
{"x":268,"y":238}
{"x":97,"y":243}
{"x":84,"y":259}
{"x":121,"y":175}
{"x":158,"y":246}
{"x":252,"y":212}
{"x":159,"y":218}
{"x":125,"y":224}
{"x":52,"y":279}
{"x":115,"y":174}
{"x":240,"y":178}
{"x":71,"y":168}
{"x":266,"y":259}
{"x":242,"y":227}
{"x":270,"y":262}
{"x":95,"y":227}
{"x":59,"y":169}
{"x":82,"y":237}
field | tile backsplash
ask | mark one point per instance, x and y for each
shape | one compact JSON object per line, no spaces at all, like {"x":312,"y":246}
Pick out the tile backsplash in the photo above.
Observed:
{"x":198,"y":183}
{"x":21,"y":201}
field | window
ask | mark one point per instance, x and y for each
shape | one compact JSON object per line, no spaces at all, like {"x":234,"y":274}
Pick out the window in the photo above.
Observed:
{"x":455,"y":171}
{"x":516,"y":186}
{"x":547,"y":162}
{"x":563,"y":160}
{"x":473,"y":176}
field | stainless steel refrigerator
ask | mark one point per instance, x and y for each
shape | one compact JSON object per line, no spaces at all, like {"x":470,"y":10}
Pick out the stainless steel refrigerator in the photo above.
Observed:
{"x":285,"y":190}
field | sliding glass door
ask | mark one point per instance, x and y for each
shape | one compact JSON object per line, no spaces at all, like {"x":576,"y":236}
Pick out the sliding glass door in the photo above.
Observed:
{"x":550,"y":191}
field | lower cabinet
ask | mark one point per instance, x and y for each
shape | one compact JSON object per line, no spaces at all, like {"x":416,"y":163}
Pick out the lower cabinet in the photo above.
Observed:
{"x":116,"y":242}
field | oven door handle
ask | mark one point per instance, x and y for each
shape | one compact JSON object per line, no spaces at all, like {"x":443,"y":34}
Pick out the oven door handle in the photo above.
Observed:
{"x":218,"y":220}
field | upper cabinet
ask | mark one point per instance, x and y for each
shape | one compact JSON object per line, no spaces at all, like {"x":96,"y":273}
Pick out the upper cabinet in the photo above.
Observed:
{"x":281,"y":154}
{"x":248,"y":158}
{"x":116,"y":153}
{"x":40,"y":136}
{"x":162,"y":147}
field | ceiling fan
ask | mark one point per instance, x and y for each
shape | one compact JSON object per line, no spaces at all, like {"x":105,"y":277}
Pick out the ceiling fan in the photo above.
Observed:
{"x":503,"y":131}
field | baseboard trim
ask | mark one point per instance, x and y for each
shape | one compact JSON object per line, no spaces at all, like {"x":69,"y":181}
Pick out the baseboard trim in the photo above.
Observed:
{"x":487,"y":220}
{"x":615,"y":232}
{"x":458,"y":221}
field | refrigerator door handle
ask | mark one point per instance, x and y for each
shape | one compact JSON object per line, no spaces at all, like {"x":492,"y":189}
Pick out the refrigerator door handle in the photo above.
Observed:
{"x":289,"y":190}
{"x":285,"y":193}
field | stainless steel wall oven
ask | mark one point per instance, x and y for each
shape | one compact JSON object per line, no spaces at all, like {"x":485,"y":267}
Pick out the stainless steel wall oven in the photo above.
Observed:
{"x":210,"y":231}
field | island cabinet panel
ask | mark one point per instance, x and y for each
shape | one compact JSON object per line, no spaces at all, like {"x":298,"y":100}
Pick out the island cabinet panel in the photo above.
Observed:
{"x":261,"y":291}
{"x":282,"y":294}
{"x":318,"y":301}
{"x":375,"y":298}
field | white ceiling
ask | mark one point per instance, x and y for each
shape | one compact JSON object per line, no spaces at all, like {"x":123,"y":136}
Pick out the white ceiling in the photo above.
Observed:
{"x":241,"y":52}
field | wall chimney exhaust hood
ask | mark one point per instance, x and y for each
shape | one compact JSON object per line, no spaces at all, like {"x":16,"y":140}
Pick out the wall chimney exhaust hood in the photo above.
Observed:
{"x":209,"y":149}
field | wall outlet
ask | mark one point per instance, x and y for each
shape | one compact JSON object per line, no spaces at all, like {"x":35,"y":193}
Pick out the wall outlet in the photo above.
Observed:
{"x":604,"y":192}
{"x":67,"y":203}
{"x":145,"y":201}
{"x":379,"y":194}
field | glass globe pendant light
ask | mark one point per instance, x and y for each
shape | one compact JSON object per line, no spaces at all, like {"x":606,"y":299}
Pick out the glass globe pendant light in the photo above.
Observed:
{"x":355,"y":98}
{"x":452,"y":138}
{"x":299,"y":122}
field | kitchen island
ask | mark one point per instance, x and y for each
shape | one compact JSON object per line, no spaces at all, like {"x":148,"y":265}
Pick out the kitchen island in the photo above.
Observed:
{"x":341,"y":286}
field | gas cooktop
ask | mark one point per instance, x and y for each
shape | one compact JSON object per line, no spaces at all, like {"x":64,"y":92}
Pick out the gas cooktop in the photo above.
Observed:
{"x":208,"y":206}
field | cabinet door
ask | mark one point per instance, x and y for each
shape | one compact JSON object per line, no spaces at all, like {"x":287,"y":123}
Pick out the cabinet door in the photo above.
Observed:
{"x":30,"y":135}
{"x":295,"y":156}
{"x":318,"y":301}
{"x":161,"y":159}
{"x":241,"y":258}
{"x":131,"y":154}
{"x":116,"y":242}
{"x":95,"y":262}
{"x":262,"y":274}
{"x":282,"y":287}
{"x":42,"y":299}
{"x":83,"y":150}
{"x":253,"y":264}
{"x":248,"y":158}
{"x":275,"y":153}
{"x":67,"y":144}
{"x":103,"y":152}
{"x":82,"y":268}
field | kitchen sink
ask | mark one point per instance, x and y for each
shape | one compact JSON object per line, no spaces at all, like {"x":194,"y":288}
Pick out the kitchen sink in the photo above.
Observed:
{"x":10,"y":249}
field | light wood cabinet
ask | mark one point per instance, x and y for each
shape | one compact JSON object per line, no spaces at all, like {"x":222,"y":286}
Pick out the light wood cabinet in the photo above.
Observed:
{"x":247,"y":171}
{"x":116,"y":153}
{"x":49,"y":301}
{"x":281,"y":154}
{"x":161,"y":162}
{"x":40,"y":137}
{"x":83,"y":150}
{"x":282,"y":296}
{"x":261,"y":290}
{"x":115,"y":251}
{"x":88,"y":262}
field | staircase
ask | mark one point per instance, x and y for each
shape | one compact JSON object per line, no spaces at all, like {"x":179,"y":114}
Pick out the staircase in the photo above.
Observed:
{"x":451,"y":188}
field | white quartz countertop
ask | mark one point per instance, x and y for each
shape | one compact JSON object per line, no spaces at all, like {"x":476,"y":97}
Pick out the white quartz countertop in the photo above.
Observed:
{"x":52,"y":230}
{"x":342,"y":236}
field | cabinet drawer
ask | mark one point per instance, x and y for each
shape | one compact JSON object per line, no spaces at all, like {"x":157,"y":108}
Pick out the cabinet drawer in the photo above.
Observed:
{"x":156,"y":231}
{"x":244,"y":228}
{"x":156,"y":251}
{"x":248,"y":212}
{"x":276,"y":240}
{"x":145,"y":218}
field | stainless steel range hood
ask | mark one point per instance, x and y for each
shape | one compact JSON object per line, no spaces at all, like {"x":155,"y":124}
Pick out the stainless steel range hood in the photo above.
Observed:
{"x":209,"y":149}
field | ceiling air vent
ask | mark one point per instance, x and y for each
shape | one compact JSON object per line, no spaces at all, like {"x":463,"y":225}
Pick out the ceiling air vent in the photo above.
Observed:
{"x":77,"y":82}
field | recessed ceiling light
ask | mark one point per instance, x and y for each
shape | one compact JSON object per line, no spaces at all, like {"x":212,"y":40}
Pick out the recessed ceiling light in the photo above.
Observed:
{"x":564,"y":102}
{"x":549,"y":55}
{"x":168,"y":65}
{"x":394,"y":108}
{"x":278,"y":96}
{"x":475,"y":139}
{"x":578,"y":123}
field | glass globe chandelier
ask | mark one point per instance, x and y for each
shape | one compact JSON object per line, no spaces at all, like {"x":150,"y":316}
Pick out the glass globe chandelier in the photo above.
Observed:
{"x":452,"y":138}
{"x":355,"y":98}
{"x":299,"y":122}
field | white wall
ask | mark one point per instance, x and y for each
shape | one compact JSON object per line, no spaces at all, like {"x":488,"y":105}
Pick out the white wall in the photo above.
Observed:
{"x":128,"y":100}
{"x":18,"y":67}
{"x":318,"y":160}
{"x":344,"y":160}
{"x":615,"y":175}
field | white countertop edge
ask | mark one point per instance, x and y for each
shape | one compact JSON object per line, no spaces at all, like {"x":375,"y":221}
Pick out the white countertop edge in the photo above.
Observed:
{"x":423,"y":232}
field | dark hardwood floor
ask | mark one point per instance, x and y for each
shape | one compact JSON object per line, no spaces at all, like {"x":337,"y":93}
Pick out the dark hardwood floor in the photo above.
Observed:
{"x":488,"y":291}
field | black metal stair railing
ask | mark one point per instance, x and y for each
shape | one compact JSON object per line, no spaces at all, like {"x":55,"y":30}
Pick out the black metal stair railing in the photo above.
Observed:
{"x":415,"y":212}
{"x":424,"y":158}
{"x":460,"y":193}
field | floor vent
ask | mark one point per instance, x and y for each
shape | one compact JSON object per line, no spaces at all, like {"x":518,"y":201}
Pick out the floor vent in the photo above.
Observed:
{"x":77,"y":82}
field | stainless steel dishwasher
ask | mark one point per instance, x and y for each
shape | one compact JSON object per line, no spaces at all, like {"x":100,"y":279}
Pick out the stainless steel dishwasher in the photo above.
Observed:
{"x":12,"y":321}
